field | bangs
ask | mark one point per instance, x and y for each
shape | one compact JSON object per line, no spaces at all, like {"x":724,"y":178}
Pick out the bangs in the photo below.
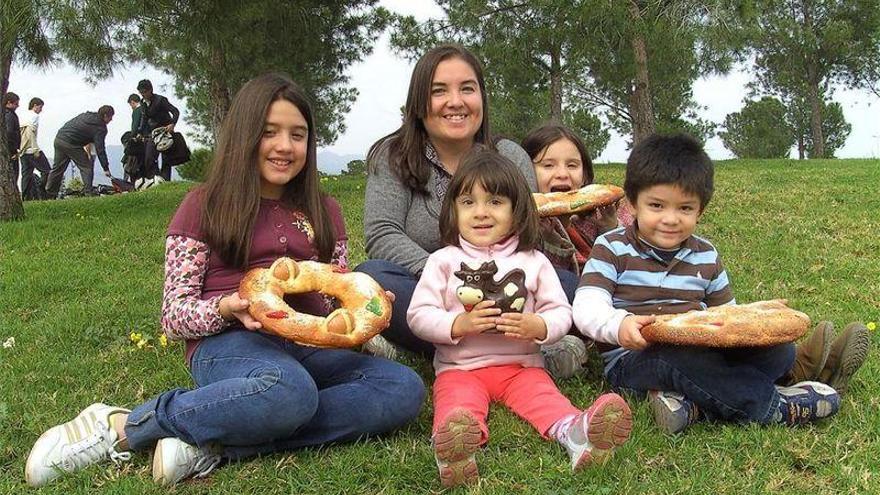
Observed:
{"x":493,"y":178}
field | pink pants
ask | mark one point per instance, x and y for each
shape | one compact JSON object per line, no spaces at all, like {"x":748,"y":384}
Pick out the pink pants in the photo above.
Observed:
{"x":529,"y":392}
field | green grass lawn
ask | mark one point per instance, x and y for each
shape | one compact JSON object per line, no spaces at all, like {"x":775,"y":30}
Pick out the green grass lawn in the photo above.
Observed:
{"x":78,"y":276}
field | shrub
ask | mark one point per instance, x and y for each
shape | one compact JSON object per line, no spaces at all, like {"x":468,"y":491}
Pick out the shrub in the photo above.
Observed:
{"x":196,"y":169}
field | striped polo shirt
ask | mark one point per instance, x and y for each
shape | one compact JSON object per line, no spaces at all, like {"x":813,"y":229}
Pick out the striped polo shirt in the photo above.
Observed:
{"x":641,"y":282}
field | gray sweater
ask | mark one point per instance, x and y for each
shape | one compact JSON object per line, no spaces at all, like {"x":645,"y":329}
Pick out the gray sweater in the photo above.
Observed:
{"x":403,"y":227}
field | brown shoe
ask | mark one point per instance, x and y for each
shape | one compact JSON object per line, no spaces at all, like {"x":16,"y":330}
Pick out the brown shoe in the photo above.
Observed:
{"x":811,"y":355}
{"x":848,"y":353}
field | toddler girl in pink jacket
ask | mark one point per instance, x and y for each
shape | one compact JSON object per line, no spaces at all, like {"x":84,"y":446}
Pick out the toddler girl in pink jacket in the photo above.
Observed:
{"x":487,"y":301}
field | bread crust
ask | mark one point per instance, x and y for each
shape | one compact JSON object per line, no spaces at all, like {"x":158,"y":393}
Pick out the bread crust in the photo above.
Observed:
{"x":365,"y":309}
{"x":587,"y":198}
{"x":759,"y":324}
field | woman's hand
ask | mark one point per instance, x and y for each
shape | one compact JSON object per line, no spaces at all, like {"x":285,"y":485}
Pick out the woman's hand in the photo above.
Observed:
{"x":525,"y":326}
{"x":605,"y":218}
{"x":477,"y":320}
{"x":233,"y":307}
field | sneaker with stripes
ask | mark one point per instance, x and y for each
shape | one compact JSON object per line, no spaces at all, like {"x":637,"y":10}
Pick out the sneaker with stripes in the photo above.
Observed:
{"x":591,"y":436}
{"x":85,"y":440}
{"x":175,"y":460}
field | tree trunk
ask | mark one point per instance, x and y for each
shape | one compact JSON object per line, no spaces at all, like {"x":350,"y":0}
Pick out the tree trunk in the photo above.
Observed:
{"x":555,"y":87}
{"x":10,"y":200}
{"x":802,"y":148}
{"x":813,"y":94}
{"x":640,"y":103}
{"x":220,"y":100}
{"x":815,"y":115}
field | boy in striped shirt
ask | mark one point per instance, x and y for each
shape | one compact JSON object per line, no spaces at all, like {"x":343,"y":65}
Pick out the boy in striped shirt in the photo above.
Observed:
{"x":657,"y":266}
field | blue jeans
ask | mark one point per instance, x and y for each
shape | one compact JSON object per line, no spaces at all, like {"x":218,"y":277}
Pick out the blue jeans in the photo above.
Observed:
{"x":569,"y":281}
{"x":257,"y":394}
{"x":727,"y":384}
{"x":402,"y":283}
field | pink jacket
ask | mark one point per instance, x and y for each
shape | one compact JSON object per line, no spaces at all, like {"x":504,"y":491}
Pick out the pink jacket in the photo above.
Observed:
{"x":435,"y":305}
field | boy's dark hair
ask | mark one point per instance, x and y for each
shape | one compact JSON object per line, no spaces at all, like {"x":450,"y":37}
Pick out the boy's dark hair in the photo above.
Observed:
{"x":134,"y":97}
{"x":144,"y":84}
{"x":676,"y":159}
{"x":105,"y":111}
{"x":497,"y":175}
{"x":10,"y":97}
{"x":540,"y":138}
{"x":35,"y":102}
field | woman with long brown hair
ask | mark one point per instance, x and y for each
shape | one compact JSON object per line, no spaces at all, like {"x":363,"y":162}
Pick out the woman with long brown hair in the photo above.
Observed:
{"x":446,"y":114}
{"x":255,"y":393}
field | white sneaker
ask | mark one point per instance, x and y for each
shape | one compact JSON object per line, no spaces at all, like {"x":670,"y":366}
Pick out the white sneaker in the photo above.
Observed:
{"x":139,"y":184}
{"x":175,"y":460}
{"x":591,"y":436}
{"x":82,"y":441}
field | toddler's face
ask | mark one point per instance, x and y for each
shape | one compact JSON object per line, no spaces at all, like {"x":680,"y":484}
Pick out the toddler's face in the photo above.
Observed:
{"x":483,"y":218}
{"x":558,"y":167}
{"x":666,"y":215}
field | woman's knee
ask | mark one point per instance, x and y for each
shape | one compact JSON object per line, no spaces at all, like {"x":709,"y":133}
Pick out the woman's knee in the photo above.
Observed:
{"x":401,"y":400}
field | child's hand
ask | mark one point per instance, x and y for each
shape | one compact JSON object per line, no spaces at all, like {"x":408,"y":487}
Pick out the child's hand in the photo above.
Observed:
{"x":481,"y":318}
{"x":526,"y":326}
{"x":233,"y":307}
{"x":605,"y":218}
{"x":629,"y":335}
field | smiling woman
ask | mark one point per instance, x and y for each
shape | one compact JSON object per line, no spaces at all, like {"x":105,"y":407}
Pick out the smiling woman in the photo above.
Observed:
{"x":446,"y":114}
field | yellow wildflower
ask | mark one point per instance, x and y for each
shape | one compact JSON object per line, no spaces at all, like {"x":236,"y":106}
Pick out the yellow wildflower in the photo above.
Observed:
{"x":871,"y":326}
{"x":163,"y":340}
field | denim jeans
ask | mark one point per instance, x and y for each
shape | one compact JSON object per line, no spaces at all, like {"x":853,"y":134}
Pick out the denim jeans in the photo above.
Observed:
{"x":402,"y":283}
{"x":569,"y":281}
{"x":257,"y":394}
{"x":726,"y":384}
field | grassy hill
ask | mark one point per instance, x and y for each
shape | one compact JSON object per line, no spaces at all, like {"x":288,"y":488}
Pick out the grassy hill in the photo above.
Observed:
{"x":78,"y":276}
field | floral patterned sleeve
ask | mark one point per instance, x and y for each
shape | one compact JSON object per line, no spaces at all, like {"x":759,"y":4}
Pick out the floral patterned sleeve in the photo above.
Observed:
{"x":184,"y":314}
{"x":340,"y":259}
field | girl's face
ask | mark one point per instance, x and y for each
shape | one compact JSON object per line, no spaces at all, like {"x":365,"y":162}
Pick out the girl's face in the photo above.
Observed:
{"x":456,"y":105}
{"x":484,"y":219}
{"x":283,"y":148}
{"x":559,"y":167}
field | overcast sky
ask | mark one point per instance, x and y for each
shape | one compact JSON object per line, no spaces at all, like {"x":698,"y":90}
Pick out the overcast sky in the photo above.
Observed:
{"x":382,"y":80}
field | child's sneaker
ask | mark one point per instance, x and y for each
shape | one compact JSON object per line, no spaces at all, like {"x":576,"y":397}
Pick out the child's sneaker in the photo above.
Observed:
{"x":806,"y":402}
{"x":848,"y":353}
{"x":673,"y":413}
{"x":175,"y":460}
{"x":455,"y":443}
{"x":563,"y":359}
{"x":593,"y":434}
{"x":379,"y":346}
{"x":82,"y":441}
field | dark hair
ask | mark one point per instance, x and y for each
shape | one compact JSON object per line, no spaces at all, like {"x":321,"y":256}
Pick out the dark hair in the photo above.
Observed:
{"x":497,"y":175}
{"x":35,"y":102}
{"x":542,"y":137}
{"x":134,"y":97}
{"x":406,"y":145}
{"x":144,"y":84}
{"x":10,"y":97}
{"x":105,"y":111}
{"x":676,"y":159}
{"x":232,"y":190}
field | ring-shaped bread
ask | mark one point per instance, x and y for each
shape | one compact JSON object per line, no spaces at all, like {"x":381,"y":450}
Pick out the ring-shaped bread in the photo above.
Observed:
{"x":587,"y":198}
{"x":365,"y":309}
{"x":762,"y":323}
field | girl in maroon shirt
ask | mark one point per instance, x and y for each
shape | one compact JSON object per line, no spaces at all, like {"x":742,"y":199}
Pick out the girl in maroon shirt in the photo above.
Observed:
{"x":254,"y":393}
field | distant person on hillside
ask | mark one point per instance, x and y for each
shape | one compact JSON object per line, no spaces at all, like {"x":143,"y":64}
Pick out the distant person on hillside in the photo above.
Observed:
{"x":13,"y":132}
{"x":158,"y":113}
{"x":32,"y":158}
{"x":133,"y":141}
{"x":82,"y":130}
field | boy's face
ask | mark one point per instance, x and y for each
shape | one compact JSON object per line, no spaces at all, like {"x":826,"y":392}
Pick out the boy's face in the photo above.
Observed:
{"x":666,"y":214}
